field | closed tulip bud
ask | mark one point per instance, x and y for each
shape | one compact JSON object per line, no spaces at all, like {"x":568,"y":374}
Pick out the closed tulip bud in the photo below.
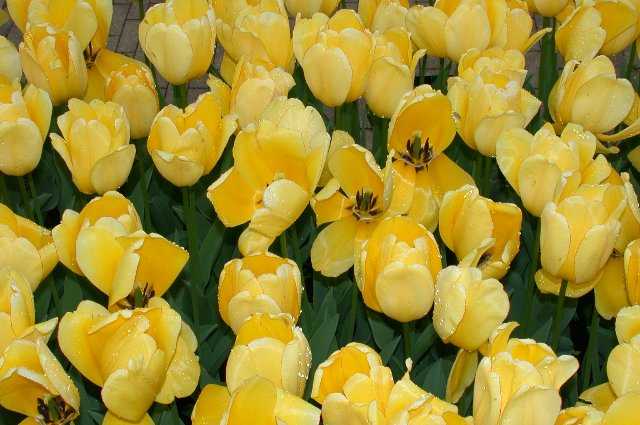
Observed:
{"x":548,"y":8}
{"x":420,"y":173}
{"x":260,"y":283}
{"x":580,"y":415}
{"x":589,"y":94}
{"x":330,"y":47}
{"x":270,"y":346}
{"x":24,"y":125}
{"x":471,"y":225}
{"x":34,"y":383}
{"x":179,"y":38}
{"x":135,"y":356}
{"x":577,"y":237}
{"x":10,"y":67}
{"x":26,"y":247}
{"x":95,"y":145}
{"x":392,"y":71}
{"x":276,"y":169}
{"x":307,"y":8}
{"x":258,"y":400}
{"x":17,"y":311}
{"x":186,"y":144}
{"x":253,"y":88}
{"x":53,"y":61}
{"x":494,"y":63}
{"x":382,"y":15}
{"x":623,"y":364}
{"x":468,"y":308}
{"x":543,"y":167}
{"x":259,"y":31}
{"x":598,"y":26}
{"x":397,"y":269}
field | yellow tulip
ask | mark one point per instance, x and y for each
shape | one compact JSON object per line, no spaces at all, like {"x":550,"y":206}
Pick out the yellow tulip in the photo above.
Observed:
{"x":89,"y":20}
{"x":26,"y":247}
{"x":623,"y":411}
{"x":589,"y":94}
{"x":397,"y":269}
{"x":186,"y":144}
{"x":450,"y":28}
{"x":467,"y":307}
{"x":493,"y":64}
{"x":306,"y":8}
{"x":276,"y":170}
{"x":335,"y":54}
{"x":260,"y":283}
{"x":135,"y":356}
{"x":598,"y":26}
{"x":32,"y":381}
{"x":543,"y":167}
{"x":253,"y":88}
{"x":392,"y":71}
{"x":24,"y":125}
{"x":352,"y":205}
{"x":270,"y":346}
{"x":17,"y":311}
{"x":127,"y":82}
{"x":600,"y":397}
{"x":548,"y":8}
{"x":580,"y":415}
{"x":10,"y":66}
{"x":178,"y":37}
{"x":382,"y":15}
{"x":111,"y":419}
{"x":420,"y":174}
{"x":632,"y":271}
{"x":258,"y":31}
{"x":611,"y":290}
{"x":577,"y":237}
{"x":473,"y":225}
{"x":95,"y":145}
{"x":623,"y":364}
{"x":53,"y":61}
{"x":339,"y":138}
{"x":257,"y":401}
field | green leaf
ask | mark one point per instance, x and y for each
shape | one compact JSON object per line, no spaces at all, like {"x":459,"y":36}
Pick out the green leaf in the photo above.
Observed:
{"x":72,"y":294}
{"x":423,"y":342}
{"x":382,"y":331}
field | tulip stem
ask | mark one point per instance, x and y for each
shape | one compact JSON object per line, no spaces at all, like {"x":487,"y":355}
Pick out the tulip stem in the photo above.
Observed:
{"x":443,"y":74}
{"x":57,"y":302}
{"x":547,"y":71}
{"x":28,"y":208}
{"x":284,"y":249}
{"x":188,"y":204}
{"x":534,"y":252}
{"x":380,"y":132}
{"x":423,"y":71}
{"x":180,"y":95}
{"x":407,"y":330}
{"x":295,"y":245}
{"x":630,"y":65}
{"x":146,"y":214}
{"x":557,"y":318}
{"x":4,"y":192}
{"x":34,"y":196}
{"x":591,"y":352}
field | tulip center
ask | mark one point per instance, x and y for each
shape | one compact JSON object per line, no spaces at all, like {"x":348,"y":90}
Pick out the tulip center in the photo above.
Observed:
{"x":366,"y":206}
{"x":90,"y":56}
{"x":417,"y":153}
{"x":53,"y":410}
{"x":138,"y":298}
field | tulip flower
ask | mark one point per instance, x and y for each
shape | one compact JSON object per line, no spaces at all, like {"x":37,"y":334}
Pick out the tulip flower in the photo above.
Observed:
{"x":307,"y":8}
{"x":382,"y":15}
{"x":623,"y":368}
{"x":548,"y":8}
{"x":26,"y":247}
{"x":468,"y":220}
{"x":270,"y":346}
{"x":632,"y":271}
{"x":276,"y":170}
{"x":579,"y":415}
{"x":577,"y":237}
{"x":135,"y":356}
{"x":589,"y":94}
{"x":392,"y":71}
{"x":339,"y":139}
{"x":598,"y":26}
{"x":494,"y":63}
{"x":260,"y":283}
{"x":330,"y":47}
{"x":420,"y":174}
{"x":186,"y":144}
{"x":543,"y":167}
{"x":253,"y":88}
{"x":17,"y":311}
{"x":25,"y":118}
{"x":178,"y":37}
{"x":127,"y":82}
{"x":10,"y":66}
{"x":258,"y":31}
{"x":451,"y":28}
{"x":88,"y":20}
{"x":612,"y":292}
{"x":95,"y":145}
{"x":600,"y":397}
{"x":352,"y":205}
{"x":52,"y":60}
{"x":34,"y":383}
{"x":397,"y":269}
{"x":258,"y":400}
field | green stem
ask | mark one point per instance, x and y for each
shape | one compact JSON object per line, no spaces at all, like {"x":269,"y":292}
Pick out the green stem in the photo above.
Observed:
{"x":180,"y":95}
{"x":57,"y":302}
{"x":347,"y":118}
{"x":632,"y":60}
{"x":297,"y":256}
{"x":25,"y":198}
{"x":284,"y":249}
{"x":146,"y":214}
{"x":423,"y":70}
{"x":407,"y":330}
{"x":4,"y":192}
{"x":547,"y":72}
{"x":34,"y":196}
{"x":380,"y":132}
{"x":188,"y":203}
{"x":557,"y":317}
{"x":590,"y":361}
{"x":443,"y":74}
{"x":534,"y":252}
{"x":141,"y":15}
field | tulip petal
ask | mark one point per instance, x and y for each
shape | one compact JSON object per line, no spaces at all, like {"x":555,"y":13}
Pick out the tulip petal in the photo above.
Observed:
{"x":111,"y":419}
{"x":20,"y":147}
{"x":112,"y":171}
{"x":330,"y":204}
{"x":233,"y":198}
{"x":405,"y":293}
{"x":182,"y":376}
{"x":320,"y":64}
{"x":534,"y":406}
{"x":333,"y":249}
{"x":462,"y":374}
{"x":356,"y":170}
{"x":623,"y":367}
{"x":623,"y":411}
{"x":610,"y":291}
{"x":211,"y":405}
{"x":169,"y":48}
{"x":98,"y":254}
{"x":64,"y":237}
